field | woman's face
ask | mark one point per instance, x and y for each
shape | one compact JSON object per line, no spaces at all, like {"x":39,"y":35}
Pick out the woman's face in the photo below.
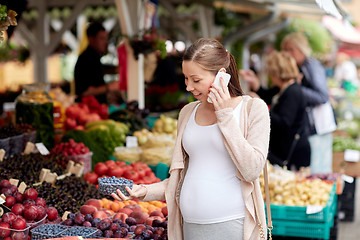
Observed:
{"x":197,"y":80}
{"x":295,"y":52}
{"x":276,"y":80}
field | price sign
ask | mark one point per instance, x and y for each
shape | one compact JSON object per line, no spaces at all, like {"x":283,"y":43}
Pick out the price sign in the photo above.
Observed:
{"x":311,"y":209}
{"x":351,"y":155}
{"x":42,"y":149}
{"x":347,"y":178}
{"x":131,"y":141}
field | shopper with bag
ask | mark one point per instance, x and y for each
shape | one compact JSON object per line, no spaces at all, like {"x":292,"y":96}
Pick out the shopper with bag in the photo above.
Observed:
{"x":289,"y":145}
{"x":213,"y":191}
{"x":321,"y":119}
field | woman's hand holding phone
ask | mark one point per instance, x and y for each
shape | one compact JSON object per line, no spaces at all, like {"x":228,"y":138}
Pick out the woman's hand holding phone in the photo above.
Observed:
{"x":219,"y":93}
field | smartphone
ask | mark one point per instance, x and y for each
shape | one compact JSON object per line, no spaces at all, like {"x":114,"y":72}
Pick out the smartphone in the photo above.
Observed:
{"x":225,"y":77}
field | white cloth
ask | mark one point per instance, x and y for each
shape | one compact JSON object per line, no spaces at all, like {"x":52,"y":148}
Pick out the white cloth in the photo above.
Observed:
{"x":346,"y":72}
{"x":211,"y":191}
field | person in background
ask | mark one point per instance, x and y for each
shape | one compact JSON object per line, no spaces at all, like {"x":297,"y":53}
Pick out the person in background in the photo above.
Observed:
{"x":315,"y":89}
{"x":220,"y":152}
{"x":89,"y":72}
{"x":288,"y":138}
{"x":313,"y":83}
{"x":345,"y":73}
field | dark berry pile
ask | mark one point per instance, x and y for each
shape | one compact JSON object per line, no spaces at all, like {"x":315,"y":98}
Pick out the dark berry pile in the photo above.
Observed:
{"x":108,"y":185}
{"x":27,"y":168}
{"x":47,"y":231}
{"x":68,"y":194}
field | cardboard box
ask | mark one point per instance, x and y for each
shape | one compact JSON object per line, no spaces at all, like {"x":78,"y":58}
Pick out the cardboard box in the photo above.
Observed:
{"x":339,"y":165}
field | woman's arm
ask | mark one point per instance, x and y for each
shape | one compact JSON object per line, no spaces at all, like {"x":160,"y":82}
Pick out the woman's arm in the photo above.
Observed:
{"x":248,"y":152}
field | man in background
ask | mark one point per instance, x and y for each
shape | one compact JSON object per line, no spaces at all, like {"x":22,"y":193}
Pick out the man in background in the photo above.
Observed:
{"x":89,"y":71}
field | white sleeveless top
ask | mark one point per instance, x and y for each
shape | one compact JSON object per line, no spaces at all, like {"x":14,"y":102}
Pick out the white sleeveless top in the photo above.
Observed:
{"x":211,"y":192}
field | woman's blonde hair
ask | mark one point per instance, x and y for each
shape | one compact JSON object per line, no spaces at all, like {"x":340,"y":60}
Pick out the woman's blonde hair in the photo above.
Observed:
{"x":211,"y":55}
{"x":282,"y":65}
{"x":300,"y":41}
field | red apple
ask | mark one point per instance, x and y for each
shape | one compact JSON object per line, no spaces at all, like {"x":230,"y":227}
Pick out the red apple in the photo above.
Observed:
{"x":18,"y":209}
{"x":52,"y":213}
{"x":30,"y":213}
{"x":31,"y":194}
{"x":4,"y":229}
{"x":10,"y":201}
{"x":18,"y":224}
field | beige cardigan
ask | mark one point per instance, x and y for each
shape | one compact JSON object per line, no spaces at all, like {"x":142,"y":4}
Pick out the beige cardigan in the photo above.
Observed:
{"x":247,"y":145}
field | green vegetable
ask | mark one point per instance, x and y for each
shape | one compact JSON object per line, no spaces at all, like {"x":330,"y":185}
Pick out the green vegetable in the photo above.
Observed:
{"x":3,"y":12}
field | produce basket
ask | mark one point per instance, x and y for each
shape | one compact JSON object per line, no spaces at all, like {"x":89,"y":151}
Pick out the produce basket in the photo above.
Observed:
{"x":5,"y":144}
{"x":85,"y":232}
{"x":293,"y":221}
{"x":16,"y":144}
{"x":38,"y":223}
{"x":14,"y":234}
{"x":47,"y":231}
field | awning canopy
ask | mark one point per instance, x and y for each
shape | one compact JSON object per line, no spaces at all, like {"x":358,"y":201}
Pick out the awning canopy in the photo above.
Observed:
{"x":342,"y":30}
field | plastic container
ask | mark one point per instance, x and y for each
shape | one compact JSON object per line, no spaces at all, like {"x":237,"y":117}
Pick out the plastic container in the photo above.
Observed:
{"x":38,"y":223}
{"x":15,"y":234}
{"x":5,"y":144}
{"x":16,"y":144}
{"x":46,"y":231}
{"x":85,"y":159}
{"x":161,"y":170}
{"x":108,"y":188}
{"x":85,"y":232}
{"x":29,"y":137}
{"x":34,"y":106}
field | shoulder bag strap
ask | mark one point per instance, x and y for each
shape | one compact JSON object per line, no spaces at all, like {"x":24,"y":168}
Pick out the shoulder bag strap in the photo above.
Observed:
{"x":266,"y":183}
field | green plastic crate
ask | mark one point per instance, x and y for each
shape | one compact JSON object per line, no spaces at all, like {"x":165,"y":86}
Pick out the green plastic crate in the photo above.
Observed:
{"x":294,"y":222}
{"x":161,"y":170}
{"x":282,"y":212}
{"x":302,"y":229}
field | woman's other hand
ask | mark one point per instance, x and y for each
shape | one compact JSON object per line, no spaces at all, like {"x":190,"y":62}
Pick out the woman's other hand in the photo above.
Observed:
{"x":250,"y":77}
{"x":138,"y":191}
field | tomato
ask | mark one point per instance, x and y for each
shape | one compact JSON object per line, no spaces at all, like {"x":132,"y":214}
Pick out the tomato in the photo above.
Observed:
{"x":91,"y":177}
{"x":101,"y":168}
{"x":115,"y":171}
{"x":131,"y":174}
{"x":120,"y":163}
{"x":110,"y":163}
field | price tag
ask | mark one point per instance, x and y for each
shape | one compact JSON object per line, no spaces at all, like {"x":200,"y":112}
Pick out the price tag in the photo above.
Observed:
{"x":14,"y":181}
{"x":2,"y":200}
{"x":351,"y":155}
{"x":347,"y":178}
{"x":42,"y":149}
{"x":29,"y":148}
{"x":2,"y":154}
{"x":131,"y":141}
{"x":22,"y":187}
{"x":311,"y":209}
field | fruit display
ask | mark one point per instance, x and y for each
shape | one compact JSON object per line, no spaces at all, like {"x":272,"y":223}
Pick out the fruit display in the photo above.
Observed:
{"x":68,"y":194}
{"x":26,"y":209}
{"x":27,"y":168}
{"x":154,"y":148}
{"x":74,"y":151}
{"x":139,"y":172}
{"x":131,"y":219}
{"x":286,"y":189}
{"x":165,"y":124}
{"x":108,"y":185}
{"x":132,"y":116}
{"x":99,"y":152}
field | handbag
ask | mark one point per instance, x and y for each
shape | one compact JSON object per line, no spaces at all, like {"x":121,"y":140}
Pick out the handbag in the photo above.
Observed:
{"x":323,"y":118}
{"x":267,"y":196}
